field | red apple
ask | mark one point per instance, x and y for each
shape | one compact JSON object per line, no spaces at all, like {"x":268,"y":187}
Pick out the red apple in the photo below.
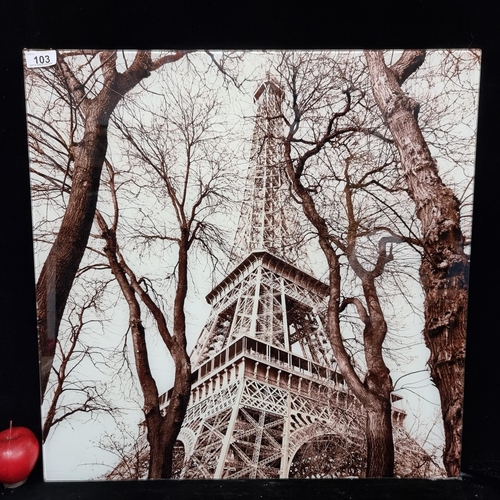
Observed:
{"x":19,"y":451}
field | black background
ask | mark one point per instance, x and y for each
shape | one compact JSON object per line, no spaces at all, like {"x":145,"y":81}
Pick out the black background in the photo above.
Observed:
{"x":246,"y":25}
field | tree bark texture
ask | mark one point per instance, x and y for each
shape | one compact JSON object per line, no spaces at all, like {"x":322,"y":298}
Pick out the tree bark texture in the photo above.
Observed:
{"x":445,"y":266}
{"x":162,"y":431}
{"x":59,"y":270}
{"x":379,"y":439}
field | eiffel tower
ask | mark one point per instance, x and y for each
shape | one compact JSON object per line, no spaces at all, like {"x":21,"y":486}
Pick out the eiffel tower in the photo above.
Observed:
{"x":266,"y":393}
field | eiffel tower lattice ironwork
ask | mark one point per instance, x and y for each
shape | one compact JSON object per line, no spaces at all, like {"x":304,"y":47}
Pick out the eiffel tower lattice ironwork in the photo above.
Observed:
{"x":264,"y":378}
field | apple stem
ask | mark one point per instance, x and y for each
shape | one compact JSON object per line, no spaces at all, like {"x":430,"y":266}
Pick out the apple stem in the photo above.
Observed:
{"x":10,"y":429}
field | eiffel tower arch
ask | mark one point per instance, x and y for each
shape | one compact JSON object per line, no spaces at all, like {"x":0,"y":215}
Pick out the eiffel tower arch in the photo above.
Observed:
{"x":264,"y":380}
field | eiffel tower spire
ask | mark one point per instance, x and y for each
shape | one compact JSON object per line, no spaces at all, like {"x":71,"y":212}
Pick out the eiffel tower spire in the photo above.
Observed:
{"x":268,"y":220}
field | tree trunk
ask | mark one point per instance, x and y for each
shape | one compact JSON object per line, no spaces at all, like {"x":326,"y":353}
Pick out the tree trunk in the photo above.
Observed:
{"x":377,"y":401}
{"x":163,"y":431}
{"x":444,"y":269}
{"x":379,"y":439}
{"x":156,"y":443}
{"x":177,"y":407}
{"x":445,"y":330}
{"x":59,"y":270}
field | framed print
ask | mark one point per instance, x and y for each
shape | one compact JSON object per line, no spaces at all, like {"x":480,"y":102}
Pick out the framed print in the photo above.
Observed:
{"x":251,"y":264}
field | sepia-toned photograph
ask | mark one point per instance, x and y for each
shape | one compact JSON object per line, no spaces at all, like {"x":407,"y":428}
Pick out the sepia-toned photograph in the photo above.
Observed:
{"x":251,"y":264}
